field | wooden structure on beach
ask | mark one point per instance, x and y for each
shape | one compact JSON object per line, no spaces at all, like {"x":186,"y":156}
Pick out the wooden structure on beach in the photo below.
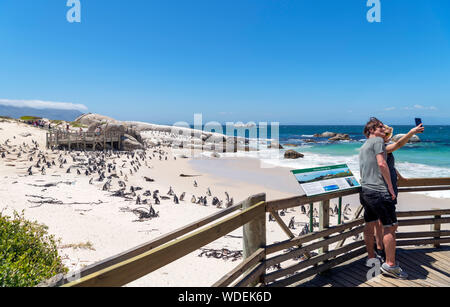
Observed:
{"x":84,"y":140}
{"x":425,"y":255}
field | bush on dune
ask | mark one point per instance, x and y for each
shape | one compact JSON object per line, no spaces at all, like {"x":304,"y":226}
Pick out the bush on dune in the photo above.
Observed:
{"x":26,"y":118}
{"x":28,"y":254}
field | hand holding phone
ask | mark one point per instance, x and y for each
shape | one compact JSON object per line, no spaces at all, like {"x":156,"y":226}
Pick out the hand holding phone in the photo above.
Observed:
{"x":419,"y":126}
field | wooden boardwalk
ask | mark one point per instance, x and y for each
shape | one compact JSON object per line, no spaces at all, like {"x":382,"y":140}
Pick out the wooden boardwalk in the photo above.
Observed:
{"x":426,"y":267}
{"x":84,"y":140}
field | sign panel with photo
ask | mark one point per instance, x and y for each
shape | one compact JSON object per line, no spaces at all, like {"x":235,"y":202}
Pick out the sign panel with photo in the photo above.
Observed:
{"x":326,"y":179}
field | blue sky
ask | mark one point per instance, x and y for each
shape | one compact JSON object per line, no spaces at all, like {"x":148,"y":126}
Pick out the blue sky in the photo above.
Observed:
{"x":295,"y":62}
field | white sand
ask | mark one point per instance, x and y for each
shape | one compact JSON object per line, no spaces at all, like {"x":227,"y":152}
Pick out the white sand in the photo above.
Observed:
{"x":99,"y":219}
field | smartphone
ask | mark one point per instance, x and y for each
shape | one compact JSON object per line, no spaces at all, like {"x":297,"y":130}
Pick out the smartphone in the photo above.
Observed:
{"x":418,"y":121}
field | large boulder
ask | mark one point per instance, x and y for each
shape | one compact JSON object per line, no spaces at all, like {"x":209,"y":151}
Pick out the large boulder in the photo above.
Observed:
{"x":129,"y":143}
{"x":91,"y":118}
{"x":326,"y":134}
{"x":413,"y":139}
{"x":292,"y":154}
{"x":340,"y":137}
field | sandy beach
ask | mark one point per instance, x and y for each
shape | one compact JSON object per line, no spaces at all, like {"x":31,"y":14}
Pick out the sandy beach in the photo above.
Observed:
{"x":93,"y":224}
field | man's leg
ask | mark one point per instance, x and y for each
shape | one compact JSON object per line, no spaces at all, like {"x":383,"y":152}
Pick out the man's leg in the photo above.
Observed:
{"x":379,"y":235}
{"x":389,"y":244}
{"x":369,"y":238}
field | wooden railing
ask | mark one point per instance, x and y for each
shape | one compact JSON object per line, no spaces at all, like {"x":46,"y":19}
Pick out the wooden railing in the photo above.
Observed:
{"x":260,"y":257}
{"x":82,"y":139}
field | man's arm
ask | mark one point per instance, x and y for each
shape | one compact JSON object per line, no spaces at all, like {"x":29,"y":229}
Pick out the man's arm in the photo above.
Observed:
{"x":384,"y":169}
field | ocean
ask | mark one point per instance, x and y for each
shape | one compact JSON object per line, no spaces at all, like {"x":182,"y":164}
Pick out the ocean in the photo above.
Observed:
{"x":428,"y":159}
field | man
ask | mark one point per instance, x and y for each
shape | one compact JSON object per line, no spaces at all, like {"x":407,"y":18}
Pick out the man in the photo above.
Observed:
{"x":378,"y":197}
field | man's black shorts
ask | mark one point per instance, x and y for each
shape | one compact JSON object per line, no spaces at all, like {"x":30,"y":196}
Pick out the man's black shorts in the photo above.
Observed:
{"x":378,"y":206}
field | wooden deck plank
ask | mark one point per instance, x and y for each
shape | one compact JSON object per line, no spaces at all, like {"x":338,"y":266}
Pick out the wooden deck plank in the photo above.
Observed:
{"x":439,"y":260}
{"x":415,"y":274}
{"x":358,"y":280}
{"x":360,"y":272}
{"x":429,"y":274}
{"x":339,"y":279}
{"x":423,"y":269}
{"x":359,"y":268}
{"x":433,"y":273}
{"x":442,"y":260}
{"x":438,"y":265}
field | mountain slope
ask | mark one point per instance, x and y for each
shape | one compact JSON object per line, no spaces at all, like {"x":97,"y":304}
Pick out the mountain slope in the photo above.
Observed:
{"x":15,"y":112}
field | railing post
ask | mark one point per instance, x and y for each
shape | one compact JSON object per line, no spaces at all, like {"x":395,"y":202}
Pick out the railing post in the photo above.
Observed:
{"x":324,"y":220}
{"x":254,"y":232}
{"x":436,"y":227}
{"x":311,"y":217}
{"x":340,"y":211}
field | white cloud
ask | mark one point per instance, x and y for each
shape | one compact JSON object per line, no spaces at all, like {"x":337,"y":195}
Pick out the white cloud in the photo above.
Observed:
{"x":39,"y":104}
{"x":390,"y":109}
{"x":420,"y":107}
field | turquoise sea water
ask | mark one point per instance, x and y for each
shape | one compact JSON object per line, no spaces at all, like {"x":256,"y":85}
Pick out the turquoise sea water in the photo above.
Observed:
{"x":428,"y":159}
{"x":433,"y":150}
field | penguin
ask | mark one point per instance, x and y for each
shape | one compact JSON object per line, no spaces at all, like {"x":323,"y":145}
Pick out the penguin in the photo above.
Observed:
{"x":208,"y":192}
{"x":292,"y":223}
{"x":170,"y":191}
{"x":195,"y":184}
{"x":193,"y":199}
{"x":182,"y":196}
{"x":215,"y":201}
{"x":156,"y":199}
{"x":175,"y":199}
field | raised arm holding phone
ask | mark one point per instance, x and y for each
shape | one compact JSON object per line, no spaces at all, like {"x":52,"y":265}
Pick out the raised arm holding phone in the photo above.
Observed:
{"x":379,"y":193}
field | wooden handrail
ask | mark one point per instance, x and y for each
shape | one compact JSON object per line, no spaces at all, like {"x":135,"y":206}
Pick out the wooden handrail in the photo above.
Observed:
{"x":423,"y":182}
{"x":140,"y":261}
{"x":152,"y":244}
{"x":273,"y":248}
{"x":241,"y":268}
{"x":301,"y":250}
{"x":136,"y":267}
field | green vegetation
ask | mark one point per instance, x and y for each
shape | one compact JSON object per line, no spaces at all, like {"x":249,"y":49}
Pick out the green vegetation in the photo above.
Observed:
{"x":30,"y":118}
{"x":28,"y":254}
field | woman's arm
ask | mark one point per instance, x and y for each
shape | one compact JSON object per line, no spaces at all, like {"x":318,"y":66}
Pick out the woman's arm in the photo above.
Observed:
{"x":402,"y":142}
